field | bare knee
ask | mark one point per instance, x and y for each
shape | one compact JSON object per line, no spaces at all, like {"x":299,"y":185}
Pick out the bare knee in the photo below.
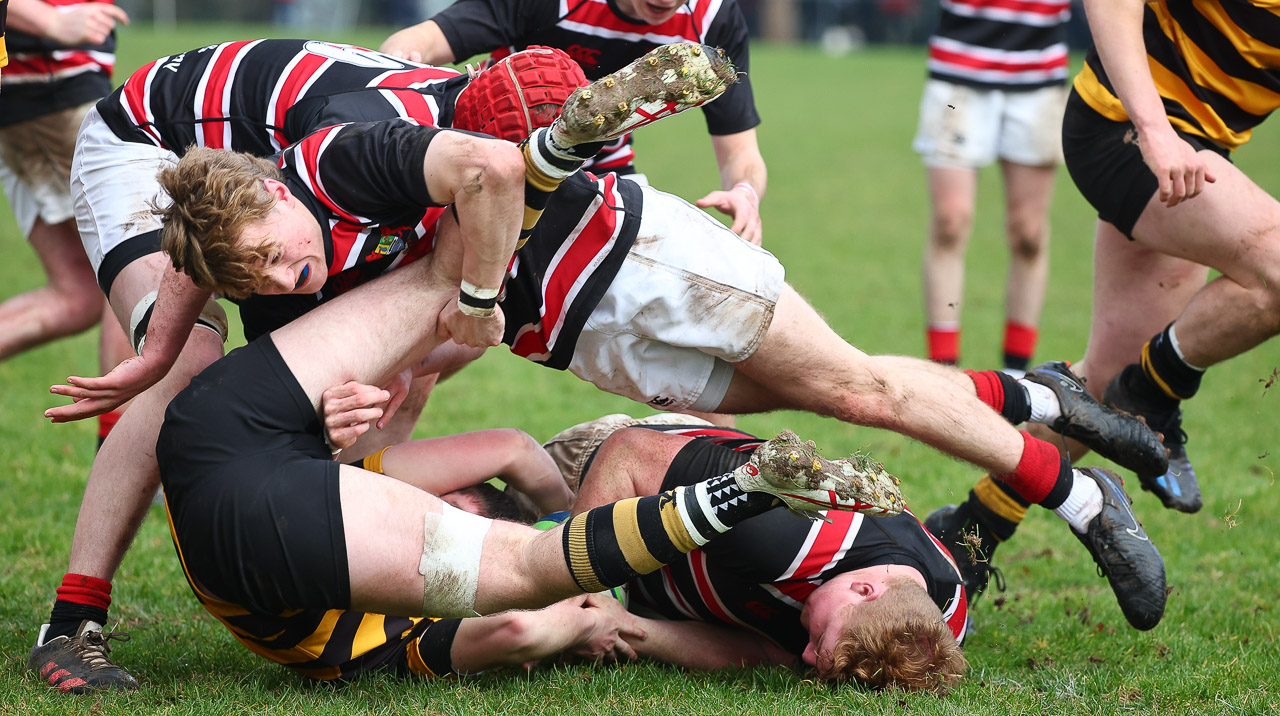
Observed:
{"x":490,"y":165}
{"x":869,"y":397}
{"x":1027,"y":239}
{"x":950,"y":227}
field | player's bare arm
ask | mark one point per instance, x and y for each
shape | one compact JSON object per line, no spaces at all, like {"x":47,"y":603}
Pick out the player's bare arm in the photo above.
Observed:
{"x":743,"y":177}
{"x":177,"y":309}
{"x":87,"y":23}
{"x":1117,"y":32}
{"x":423,"y":42}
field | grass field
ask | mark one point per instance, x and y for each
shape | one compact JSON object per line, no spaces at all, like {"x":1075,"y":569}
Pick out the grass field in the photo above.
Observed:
{"x":846,"y":213}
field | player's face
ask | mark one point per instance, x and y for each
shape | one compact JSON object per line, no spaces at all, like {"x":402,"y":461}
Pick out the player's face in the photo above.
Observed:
{"x":824,"y":612}
{"x":652,"y":12}
{"x":296,"y":259}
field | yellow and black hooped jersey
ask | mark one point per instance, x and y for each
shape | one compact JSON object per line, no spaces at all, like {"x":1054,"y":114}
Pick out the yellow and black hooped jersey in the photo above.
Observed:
{"x":1216,"y":64}
{"x":335,"y":644}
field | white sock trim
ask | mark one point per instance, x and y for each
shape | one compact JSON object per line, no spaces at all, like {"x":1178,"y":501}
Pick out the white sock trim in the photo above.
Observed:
{"x":1045,"y":407}
{"x":1082,"y":505}
{"x":1177,"y":348}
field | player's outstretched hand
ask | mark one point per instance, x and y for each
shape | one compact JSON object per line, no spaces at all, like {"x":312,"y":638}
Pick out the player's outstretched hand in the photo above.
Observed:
{"x":349,"y":409}
{"x":95,"y":396}
{"x":403,"y":44}
{"x":741,"y":204}
{"x":471,"y":331}
{"x":1177,"y":165}
{"x":613,"y":625}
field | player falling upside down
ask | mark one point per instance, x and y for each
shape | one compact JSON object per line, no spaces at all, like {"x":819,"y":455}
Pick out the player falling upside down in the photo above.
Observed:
{"x":610,"y":287}
{"x":254,"y":96}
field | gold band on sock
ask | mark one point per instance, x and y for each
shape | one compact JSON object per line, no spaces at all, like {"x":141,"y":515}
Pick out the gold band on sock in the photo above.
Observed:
{"x":626,"y":529}
{"x":580,"y":557}
{"x":373,"y":463}
{"x":1149,"y":370}
{"x":998,"y":501}
{"x":537,"y":178}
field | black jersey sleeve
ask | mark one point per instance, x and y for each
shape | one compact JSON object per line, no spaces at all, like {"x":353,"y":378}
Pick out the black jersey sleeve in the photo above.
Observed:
{"x":736,"y":110}
{"x":367,"y":172}
{"x":474,"y":27}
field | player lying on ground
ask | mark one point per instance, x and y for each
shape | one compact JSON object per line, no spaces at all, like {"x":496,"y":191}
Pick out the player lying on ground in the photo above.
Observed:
{"x":861,"y":599}
{"x":243,"y":451}
{"x":645,"y":296}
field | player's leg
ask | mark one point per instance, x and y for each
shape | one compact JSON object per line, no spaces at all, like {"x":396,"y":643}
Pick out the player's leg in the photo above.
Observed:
{"x":410,"y":553}
{"x":34,"y":163}
{"x":1030,"y":151}
{"x":953,"y":193}
{"x":69,"y":304}
{"x":1028,"y":194}
{"x":113,"y":349}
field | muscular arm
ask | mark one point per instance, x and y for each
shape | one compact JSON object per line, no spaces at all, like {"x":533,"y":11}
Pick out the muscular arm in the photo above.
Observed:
{"x":706,"y":647}
{"x":582,"y":626}
{"x":423,"y":42}
{"x":445,"y":464}
{"x":738,"y":156}
{"x":1117,"y":33}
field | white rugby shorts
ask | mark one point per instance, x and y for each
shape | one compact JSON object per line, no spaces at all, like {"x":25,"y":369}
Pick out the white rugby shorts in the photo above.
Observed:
{"x":691,"y":299}
{"x":35,"y":163}
{"x":112,"y":185}
{"x":963,"y":126}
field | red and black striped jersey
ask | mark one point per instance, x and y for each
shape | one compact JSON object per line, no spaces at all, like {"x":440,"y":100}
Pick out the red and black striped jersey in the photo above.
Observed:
{"x":601,"y":39}
{"x":1001,"y":44}
{"x":758,"y":575}
{"x":258,"y":96}
{"x":45,"y":76}
{"x":378,"y":215}
{"x":1215,"y":63}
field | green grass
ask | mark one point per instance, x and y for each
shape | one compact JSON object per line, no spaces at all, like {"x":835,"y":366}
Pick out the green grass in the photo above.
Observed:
{"x":846,"y":211}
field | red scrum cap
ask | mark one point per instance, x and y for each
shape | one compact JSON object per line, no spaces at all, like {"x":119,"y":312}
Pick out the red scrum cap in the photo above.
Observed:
{"x":518,"y":94}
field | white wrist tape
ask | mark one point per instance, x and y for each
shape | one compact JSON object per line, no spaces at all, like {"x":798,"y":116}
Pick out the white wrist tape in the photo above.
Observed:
{"x":450,"y":566}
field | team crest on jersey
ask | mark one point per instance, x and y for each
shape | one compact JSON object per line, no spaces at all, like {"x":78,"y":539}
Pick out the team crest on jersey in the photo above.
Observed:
{"x":392,"y":241}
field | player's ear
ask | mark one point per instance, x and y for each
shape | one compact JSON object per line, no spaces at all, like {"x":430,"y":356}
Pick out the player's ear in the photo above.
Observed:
{"x":277,"y":190}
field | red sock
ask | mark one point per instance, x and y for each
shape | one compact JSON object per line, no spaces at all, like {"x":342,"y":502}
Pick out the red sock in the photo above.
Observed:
{"x":990,"y":388}
{"x":86,"y":590}
{"x":106,"y":422}
{"x":1042,"y":475}
{"x":944,"y":343}
{"x":1019,"y":344}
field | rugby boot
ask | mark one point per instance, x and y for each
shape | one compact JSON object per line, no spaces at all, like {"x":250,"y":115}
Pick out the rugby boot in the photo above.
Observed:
{"x":666,"y":81}
{"x":1113,"y":434}
{"x":1124,"y":554}
{"x":960,"y":531}
{"x":806,"y":482}
{"x":1177,"y":487}
{"x":80,"y":664}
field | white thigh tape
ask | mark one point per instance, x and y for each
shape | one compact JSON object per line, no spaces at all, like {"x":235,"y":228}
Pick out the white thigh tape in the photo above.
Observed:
{"x":450,"y":565}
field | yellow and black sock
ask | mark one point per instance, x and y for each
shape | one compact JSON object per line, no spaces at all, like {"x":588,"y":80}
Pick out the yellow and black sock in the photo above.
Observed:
{"x":997,"y":508}
{"x":610,"y":545}
{"x":1168,"y":376}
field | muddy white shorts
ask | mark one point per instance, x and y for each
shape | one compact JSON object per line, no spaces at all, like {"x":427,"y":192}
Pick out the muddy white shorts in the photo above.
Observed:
{"x":35,"y":166}
{"x":690,"y":299}
{"x":963,"y":126}
{"x":112,"y":184}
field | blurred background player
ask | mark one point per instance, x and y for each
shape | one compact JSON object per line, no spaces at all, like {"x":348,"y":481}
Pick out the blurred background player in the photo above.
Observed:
{"x":602,"y":37}
{"x":1169,"y":93}
{"x":996,"y":89}
{"x":63,"y":54}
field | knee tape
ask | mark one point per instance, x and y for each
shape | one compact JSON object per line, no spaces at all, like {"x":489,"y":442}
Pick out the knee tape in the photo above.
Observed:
{"x":450,"y":566}
{"x":212,"y":317}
